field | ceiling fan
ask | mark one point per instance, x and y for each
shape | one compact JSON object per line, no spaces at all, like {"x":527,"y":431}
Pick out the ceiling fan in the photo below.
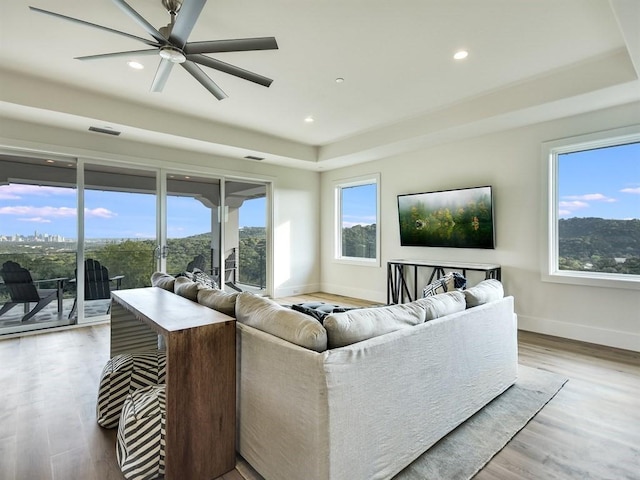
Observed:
{"x":170,"y":42}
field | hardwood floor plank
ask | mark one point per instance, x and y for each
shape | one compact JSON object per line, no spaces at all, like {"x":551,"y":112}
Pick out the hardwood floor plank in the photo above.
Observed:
{"x":74,"y":463}
{"x":8,"y":456}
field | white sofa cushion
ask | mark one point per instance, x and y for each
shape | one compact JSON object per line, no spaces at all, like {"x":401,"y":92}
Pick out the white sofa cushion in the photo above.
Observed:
{"x":443,"y":304}
{"x":353,"y":326}
{"x":218,"y":300}
{"x":268,"y":316}
{"x":484,"y":292}
{"x":186,"y":288}
{"x":163,"y":280}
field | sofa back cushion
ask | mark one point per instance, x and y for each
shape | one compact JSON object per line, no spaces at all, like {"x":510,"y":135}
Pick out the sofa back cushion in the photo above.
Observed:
{"x":218,"y":300}
{"x":354,"y":326}
{"x":162,"y":280}
{"x":443,"y":304}
{"x":484,"y":292}
{"x":268,"y":316}
{"x":186,"y":288}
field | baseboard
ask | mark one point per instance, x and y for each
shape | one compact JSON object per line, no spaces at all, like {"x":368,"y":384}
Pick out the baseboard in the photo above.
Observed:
{"x":583,"y":333}
{"x":291,"y":291}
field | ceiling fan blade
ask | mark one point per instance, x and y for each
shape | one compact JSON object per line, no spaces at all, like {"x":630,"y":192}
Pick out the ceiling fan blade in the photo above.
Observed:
{"x":162,"y":75}
{"x":139,"y":19}
{"x":202,"y":77}
{"x":237,"y":45}
{"x":95,"y":25}
{"x":128,"y":53}
{"x":230,"y":69}
{"x":185,"y":21}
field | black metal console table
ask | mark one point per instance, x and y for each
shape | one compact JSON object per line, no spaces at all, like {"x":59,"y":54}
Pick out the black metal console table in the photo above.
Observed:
{"x":399,"y":271}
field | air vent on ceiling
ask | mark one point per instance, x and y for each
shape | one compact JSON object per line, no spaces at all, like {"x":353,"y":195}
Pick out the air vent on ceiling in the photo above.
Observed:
{"x":253,"y":157}
{"x":104,"y":130}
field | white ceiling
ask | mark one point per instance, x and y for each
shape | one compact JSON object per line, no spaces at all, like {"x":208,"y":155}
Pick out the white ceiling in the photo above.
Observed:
{"x":529,"y":61}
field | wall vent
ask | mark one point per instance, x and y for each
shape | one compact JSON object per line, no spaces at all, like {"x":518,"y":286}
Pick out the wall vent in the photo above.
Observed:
{"x":253,"y":157}
{"x":104,"y":130}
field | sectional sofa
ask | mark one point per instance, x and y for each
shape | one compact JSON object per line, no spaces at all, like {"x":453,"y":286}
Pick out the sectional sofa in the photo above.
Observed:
{"x":365,"y":393}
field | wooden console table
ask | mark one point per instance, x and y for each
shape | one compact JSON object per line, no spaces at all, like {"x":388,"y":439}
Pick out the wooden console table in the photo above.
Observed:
{"x":399,"y":271}
{"x":200,"y":379}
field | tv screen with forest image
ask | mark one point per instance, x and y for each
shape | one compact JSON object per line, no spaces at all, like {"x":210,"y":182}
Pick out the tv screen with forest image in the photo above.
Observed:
{"x":461,"y":218}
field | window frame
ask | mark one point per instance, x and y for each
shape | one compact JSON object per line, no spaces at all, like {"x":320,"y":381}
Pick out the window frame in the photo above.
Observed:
{"x":338,"y":186}
{"x":550,"y":246}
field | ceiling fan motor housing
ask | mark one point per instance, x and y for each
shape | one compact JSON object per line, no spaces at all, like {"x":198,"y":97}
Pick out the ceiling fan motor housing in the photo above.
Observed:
{"x":172,"y":6}
{"x":173,"y":54}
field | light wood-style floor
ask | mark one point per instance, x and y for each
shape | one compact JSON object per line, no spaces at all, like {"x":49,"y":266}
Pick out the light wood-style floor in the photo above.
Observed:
{"x":48,"y":383}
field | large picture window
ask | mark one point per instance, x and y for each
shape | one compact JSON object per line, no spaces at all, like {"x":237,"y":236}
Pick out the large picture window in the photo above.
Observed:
{"x":594,"y":210}
{"x":357,"y":206}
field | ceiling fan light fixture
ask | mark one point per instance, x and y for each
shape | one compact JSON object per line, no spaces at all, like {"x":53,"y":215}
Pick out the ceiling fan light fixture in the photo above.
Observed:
{"x":173,"y":54}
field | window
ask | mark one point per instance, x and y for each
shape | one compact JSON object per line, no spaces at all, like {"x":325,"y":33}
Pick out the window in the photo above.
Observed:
{"x":594,"y":210}
{"x":357,"y":206}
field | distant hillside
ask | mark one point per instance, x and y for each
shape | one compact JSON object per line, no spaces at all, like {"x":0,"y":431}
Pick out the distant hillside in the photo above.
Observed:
{"x":599,"y":244}
{"x":597,"y":236}
{"x":252,"y":232}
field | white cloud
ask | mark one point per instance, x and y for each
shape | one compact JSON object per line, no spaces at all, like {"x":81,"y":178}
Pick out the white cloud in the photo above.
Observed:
{"x":570,"y":203}
{"x":54,"y":212}
{"x":574,"y":205}
{"x":7,"y":195}
{"x":35,"y":220}
{"x":635,"y":190}
{"x":595,"y":197}
{"x":16,"y":191}
{"x":99,"y":212}
{"x":352,"y":220}
{"x":27,"y":211}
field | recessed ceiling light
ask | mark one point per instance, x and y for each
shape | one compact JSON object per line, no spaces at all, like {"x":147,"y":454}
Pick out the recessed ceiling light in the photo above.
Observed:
{"x":461,"y":54}
{"x":309,"y":120}
{"x":135,"y":65}
{"x":339,"y":80}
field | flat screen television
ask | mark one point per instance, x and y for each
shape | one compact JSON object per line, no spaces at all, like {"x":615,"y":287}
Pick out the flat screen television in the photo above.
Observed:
{"x":461,"y":218}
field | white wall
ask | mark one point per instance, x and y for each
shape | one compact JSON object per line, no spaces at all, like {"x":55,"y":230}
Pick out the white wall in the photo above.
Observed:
{"x":296,"y":197}
{"x":511,"y":162}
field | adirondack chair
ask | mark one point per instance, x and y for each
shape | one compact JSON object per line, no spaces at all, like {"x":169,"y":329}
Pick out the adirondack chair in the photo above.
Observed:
{"x":22,"y":289}
{"x":231,"y":270}
{"x":198,"y":262}
{"x":97,"y":283}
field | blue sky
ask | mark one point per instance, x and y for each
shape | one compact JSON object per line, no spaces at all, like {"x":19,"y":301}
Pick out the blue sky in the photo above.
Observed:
{"x":25,"y":209}
{"x":358,"y":205}
{"x":602,"y":183}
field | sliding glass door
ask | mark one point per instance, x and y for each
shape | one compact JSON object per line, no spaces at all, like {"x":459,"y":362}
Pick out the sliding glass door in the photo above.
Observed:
{"x":120,"y":240}
{"x":38,"y":231}
{"x":193,"y":224}
{"x":245,"y":238}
